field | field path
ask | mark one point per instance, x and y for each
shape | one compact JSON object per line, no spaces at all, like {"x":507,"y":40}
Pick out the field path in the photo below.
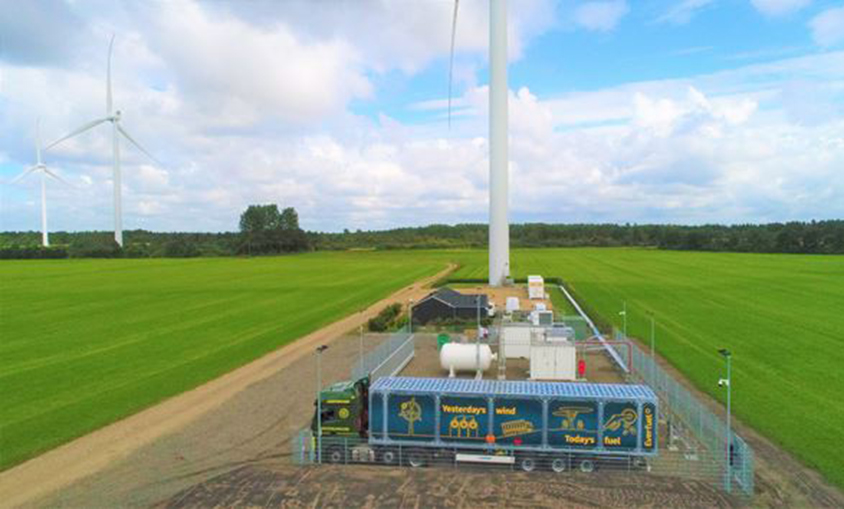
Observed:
{"x":81,"y":458}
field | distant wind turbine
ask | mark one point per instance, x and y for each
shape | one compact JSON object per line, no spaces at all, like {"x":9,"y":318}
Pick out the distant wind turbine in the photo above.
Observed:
{"x":39,"y":166}
{"x":116,"y":130}
{"x":499,"y":227}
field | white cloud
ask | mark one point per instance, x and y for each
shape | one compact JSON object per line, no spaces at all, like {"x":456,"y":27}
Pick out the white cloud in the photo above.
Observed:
{"x":601,"y":16}
{"x":779,"y":7}
{"x":244,"y":72}
{"x":755,"y":143}
{"x":828,"y":27}
{"x":682,"y":12}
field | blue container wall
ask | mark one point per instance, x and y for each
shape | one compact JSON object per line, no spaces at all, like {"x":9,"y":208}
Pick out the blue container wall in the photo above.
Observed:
{"x":515,"y":422}
{"x":411,"y":417}
{"x":572,"y":424}
{"x":464,"y":419}
{"x":621,"y":426}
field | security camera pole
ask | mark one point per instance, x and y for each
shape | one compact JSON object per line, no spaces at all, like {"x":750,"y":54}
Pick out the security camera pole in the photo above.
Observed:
{"x":319,"y":351}
{"x":726,"y":381}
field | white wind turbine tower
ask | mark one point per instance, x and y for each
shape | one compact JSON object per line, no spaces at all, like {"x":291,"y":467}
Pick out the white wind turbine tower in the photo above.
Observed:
{"x":499,"y":228}
{"x":117,"y":129}
{"x":40,"y":166}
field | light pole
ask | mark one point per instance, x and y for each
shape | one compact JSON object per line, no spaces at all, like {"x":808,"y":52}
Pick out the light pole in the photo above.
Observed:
{"x":410,"y":316}
{"x":361,"y":348}
{"x":653,"y":350}
{"x":319,"y":351}
{"x":623,"y":313}
{"x":722,"y":382}
{"x":478,"y":375}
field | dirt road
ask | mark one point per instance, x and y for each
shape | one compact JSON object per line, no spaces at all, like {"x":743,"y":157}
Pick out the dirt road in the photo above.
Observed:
{"x":92,"y":453}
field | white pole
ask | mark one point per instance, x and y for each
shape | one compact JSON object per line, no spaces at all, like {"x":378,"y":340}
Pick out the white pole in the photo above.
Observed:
{"x":118,"y":205}
{"x":499,"y":234}
{"x":625,"y":319}
{"x":45,"y":240}
{"x":729,"y":427}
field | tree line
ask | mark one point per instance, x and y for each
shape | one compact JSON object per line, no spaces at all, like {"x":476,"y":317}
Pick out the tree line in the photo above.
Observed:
{"x":816,"y":237}
{"x":266,"y":230}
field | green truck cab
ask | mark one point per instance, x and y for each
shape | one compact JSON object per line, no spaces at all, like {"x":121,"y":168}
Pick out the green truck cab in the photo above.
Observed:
{"x":345,"y":409}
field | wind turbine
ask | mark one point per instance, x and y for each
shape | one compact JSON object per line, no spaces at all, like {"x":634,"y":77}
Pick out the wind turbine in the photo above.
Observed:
{"x":117,"y":129}
{"x":499,"y":228}
{"x":39,"y":166}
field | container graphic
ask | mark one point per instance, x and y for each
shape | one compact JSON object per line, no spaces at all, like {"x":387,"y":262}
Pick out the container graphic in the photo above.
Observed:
{"x":649,"y":423}
{"x":410,"y":417}
{"x":573,"y":424}
{"x":463,"y":419}
{"x":517,"y":421}
{"x":621,"y":426}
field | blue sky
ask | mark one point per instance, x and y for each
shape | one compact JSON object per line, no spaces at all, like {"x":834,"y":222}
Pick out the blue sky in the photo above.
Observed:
{"x":681,"y":111}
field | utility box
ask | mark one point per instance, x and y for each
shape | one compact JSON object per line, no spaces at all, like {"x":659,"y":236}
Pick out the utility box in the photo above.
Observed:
{"x":536,"y":287}
{"x":512,"y":304}
{"x":553,"y":360}
{"x":542,"y":318}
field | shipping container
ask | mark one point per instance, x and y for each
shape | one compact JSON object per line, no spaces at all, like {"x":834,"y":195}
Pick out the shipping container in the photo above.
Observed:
{"x":602,"y":419}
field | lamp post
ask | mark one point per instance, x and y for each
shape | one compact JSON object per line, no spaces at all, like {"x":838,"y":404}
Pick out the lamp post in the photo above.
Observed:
{"x":479,"y":374}
{"x":319,"y":351}
{"x":653,"y":350}
{"x":360,"y":352}
{"x":726,"y":382}
{"x":623,"y":313}
{"x":410,"y":316}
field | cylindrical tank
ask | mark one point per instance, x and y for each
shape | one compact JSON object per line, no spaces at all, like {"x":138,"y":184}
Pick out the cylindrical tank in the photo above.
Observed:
{"x":464,"y":357}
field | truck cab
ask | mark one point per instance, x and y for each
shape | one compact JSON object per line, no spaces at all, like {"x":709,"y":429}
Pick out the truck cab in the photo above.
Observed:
{"x":344,"y":410}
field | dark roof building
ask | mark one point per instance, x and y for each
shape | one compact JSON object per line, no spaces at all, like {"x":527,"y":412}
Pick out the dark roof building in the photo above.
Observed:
{"x":447,"y":304}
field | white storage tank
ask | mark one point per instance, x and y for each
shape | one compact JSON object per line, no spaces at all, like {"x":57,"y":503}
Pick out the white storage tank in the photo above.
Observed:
{"x":536,"y":287}
{"x":465,"y":357}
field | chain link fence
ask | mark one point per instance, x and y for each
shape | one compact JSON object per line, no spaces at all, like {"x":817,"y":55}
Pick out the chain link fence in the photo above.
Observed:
{"x":388,"y":358}
{"x":695,"y":428}
{"x":693,"y":440}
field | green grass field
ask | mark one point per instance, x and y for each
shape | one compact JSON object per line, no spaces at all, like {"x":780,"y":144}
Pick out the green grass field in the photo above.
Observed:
{"x":782,"y":316}
{"x":86,"y":342}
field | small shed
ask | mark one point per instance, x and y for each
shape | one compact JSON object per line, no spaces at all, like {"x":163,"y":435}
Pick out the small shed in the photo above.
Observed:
{"x":448,"y":304}
{"x":536,"y":287}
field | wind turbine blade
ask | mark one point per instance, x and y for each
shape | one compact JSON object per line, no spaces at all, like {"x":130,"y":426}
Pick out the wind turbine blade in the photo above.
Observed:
{"x":108,"y":77}
{"x":82,"y":129}
{"x":451,"y":58}
{"x":23,"y":174}
{"x":136,"y":144}
{"x":50,"y":172}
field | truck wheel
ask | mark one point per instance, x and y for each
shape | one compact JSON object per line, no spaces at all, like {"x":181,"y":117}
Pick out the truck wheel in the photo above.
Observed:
{"x":388,"y":457}
{"x":587,"y":466}
{"x":416,"y":458}
{"x":334,"y":454}
{"x":527,"y":463}
{"x":559,"y":465}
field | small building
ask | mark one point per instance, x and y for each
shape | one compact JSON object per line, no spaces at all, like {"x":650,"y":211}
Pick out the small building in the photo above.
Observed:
{"x":446,"y":304}
{"x":536,"y":287}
